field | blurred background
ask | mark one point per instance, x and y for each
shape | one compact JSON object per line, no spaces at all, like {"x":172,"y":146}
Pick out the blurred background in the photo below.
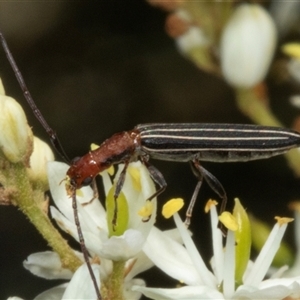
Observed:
{"x":97,"y":68}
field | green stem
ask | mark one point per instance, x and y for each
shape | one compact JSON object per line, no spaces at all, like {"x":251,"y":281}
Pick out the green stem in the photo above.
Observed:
{"x":29,"y":206}
{"x":254,"y":105}
{"x":114,"y":284}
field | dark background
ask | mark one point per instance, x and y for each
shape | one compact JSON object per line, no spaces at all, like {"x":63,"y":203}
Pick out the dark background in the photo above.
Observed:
{"x":96,"y":68}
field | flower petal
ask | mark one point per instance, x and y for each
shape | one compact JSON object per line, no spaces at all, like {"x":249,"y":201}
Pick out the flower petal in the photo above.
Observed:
{"x":206,"y":276}
{"x":54,"y":293}
{"x":271,"y":289}
{"x":184,"y":293}
{"x":92,"y":241}
{"x":266,"y":255}
{"x":138,"y":187}
{"x":81,"y":285}
{"x":171,"y":257}
{"x":91,"y":213}
{"x":123,"y":247}
{"x":129,"y":293}
{"x":47,"y":265}
{"x":138,"y":264}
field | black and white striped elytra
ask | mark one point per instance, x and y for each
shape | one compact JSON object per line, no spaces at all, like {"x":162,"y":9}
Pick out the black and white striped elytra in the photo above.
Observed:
{"x":215,"y":142}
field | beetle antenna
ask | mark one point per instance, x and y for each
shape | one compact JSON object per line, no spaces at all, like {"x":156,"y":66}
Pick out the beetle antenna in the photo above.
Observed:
{"x":82,"y":243}
{"x":52,"y":134}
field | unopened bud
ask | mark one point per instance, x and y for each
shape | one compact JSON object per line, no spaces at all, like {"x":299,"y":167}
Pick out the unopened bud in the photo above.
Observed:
{"x":41,"y":154}
{"x":247,"y":46}
{"x":15,"y":135}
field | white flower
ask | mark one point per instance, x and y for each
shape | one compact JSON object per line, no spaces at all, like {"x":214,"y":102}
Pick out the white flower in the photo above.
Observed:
{"x":80,"y":287}
{"x":220,"y":283}
{"x":100,"y":243}
{"x":247,"y":46}
{"x":93,"y":217}
{"x":41,"y":154}
{"x":47,"y":265}
{"x":16,"y":136}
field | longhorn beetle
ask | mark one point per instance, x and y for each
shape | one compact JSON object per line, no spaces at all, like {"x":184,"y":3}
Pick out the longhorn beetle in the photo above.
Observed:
{"x":181,"y":142}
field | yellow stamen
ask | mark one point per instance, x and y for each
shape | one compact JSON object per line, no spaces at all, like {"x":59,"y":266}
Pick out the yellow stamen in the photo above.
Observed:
{"x":292,"y":49}
{"x":209,"y":204}
{"x":229,"y":221}
{"x":283,"y":220}
{"x":171,"y":207}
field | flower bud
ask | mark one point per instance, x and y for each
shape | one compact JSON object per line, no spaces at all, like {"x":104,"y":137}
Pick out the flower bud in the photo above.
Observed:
{"x":41,"y":154}
{"x":15,"y":134}
{"x":247,"y":46}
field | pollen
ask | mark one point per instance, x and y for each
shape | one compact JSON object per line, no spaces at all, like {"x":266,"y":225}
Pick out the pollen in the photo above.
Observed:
{"x":79,"y":193}
{"x":94,"y":146}
{"x":68,"y":186}
{"x":283,"y":220}
{"x":172,"y":207}
{"x":209,"y":204}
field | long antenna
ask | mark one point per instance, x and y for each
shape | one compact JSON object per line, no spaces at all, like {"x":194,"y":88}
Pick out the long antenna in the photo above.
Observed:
{"x":59,"y":148}
{"x":52,"y":134}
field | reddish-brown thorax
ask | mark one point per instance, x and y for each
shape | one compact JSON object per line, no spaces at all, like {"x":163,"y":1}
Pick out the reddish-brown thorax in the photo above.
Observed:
{"x":121,"y":147}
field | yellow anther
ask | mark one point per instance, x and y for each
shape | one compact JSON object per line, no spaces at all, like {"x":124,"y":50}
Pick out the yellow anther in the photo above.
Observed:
{"x":229,"y":221}
{"x":209,"y":204}
{"x":292,"y":49}
{"x":283,"y":220}
{"x":171,"y":207}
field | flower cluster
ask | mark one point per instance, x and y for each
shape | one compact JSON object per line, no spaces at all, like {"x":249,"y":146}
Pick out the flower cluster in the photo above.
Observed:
{"x":106,"y":250}
{"x":122,"y":243}
{"x":244,"y":48}
{"x":233,"y":275}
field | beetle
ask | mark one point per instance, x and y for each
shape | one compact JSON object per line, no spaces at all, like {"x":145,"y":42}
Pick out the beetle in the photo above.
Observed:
{"x":183,"y":142}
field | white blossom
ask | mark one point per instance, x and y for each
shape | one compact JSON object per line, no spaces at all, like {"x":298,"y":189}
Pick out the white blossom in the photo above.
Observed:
{"x":41,"y":154}
{"x":247,"y":46}
{"x":127,"y":247}
{"x":16,"y":136}
{"x":202,"y":283}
